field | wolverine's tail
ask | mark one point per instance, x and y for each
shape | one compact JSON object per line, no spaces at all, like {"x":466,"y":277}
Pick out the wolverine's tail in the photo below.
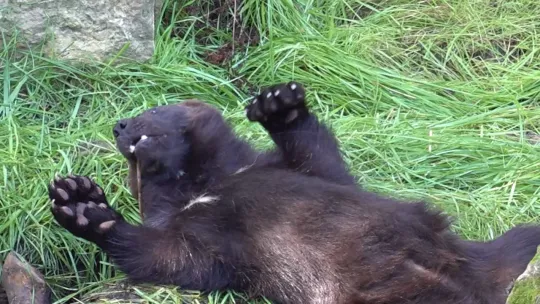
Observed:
{"x":506,"y":257}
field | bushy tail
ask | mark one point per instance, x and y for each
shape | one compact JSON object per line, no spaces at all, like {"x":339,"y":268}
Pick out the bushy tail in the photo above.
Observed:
{"x":505,"y":258}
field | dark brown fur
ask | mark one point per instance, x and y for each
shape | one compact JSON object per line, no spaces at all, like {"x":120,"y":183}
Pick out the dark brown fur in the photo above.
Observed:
{"x":289,"y":224}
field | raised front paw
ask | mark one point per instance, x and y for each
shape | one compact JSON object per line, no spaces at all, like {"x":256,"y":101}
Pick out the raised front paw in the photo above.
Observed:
{"x":278,"y":104}
{"x":80,"y":206}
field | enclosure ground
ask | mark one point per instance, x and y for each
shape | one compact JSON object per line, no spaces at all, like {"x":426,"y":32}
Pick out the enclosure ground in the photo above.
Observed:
{"x":434,"y":100}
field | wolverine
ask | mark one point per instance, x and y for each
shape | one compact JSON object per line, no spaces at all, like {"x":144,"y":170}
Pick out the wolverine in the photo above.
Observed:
{"x":290,"y":224}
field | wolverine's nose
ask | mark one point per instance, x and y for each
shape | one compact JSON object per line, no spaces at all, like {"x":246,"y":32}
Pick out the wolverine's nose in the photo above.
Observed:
{"x":120,"y":127}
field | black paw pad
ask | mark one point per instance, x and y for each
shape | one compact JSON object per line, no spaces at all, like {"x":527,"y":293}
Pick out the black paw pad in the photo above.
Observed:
{"x":282,"y":103}
{"x":79,"y":205}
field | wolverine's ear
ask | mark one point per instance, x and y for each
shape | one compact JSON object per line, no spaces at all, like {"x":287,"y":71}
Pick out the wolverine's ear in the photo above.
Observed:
{"x":205,"y":122}
{"x":197,"y":110}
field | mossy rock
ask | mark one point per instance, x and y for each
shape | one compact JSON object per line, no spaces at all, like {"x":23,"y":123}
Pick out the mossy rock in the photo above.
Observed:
{"x":526,"y":289}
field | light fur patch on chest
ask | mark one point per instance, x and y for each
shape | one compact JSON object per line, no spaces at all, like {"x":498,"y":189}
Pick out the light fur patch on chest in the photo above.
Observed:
{"x":243,"y":169}
{"x":201,"y":199}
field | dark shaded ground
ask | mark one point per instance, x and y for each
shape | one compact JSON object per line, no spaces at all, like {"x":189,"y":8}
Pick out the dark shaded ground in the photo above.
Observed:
{"x":213,"y":15}
{"x":221,"y":29}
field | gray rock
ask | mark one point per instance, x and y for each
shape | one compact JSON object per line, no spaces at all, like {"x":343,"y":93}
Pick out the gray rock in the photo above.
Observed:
{"x":82,"y":29}
{"x":23,"y":283}
{"x":158,"y":6}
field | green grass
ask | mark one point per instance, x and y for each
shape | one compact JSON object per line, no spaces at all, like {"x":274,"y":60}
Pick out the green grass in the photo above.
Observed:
{"x":384,"y":74}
